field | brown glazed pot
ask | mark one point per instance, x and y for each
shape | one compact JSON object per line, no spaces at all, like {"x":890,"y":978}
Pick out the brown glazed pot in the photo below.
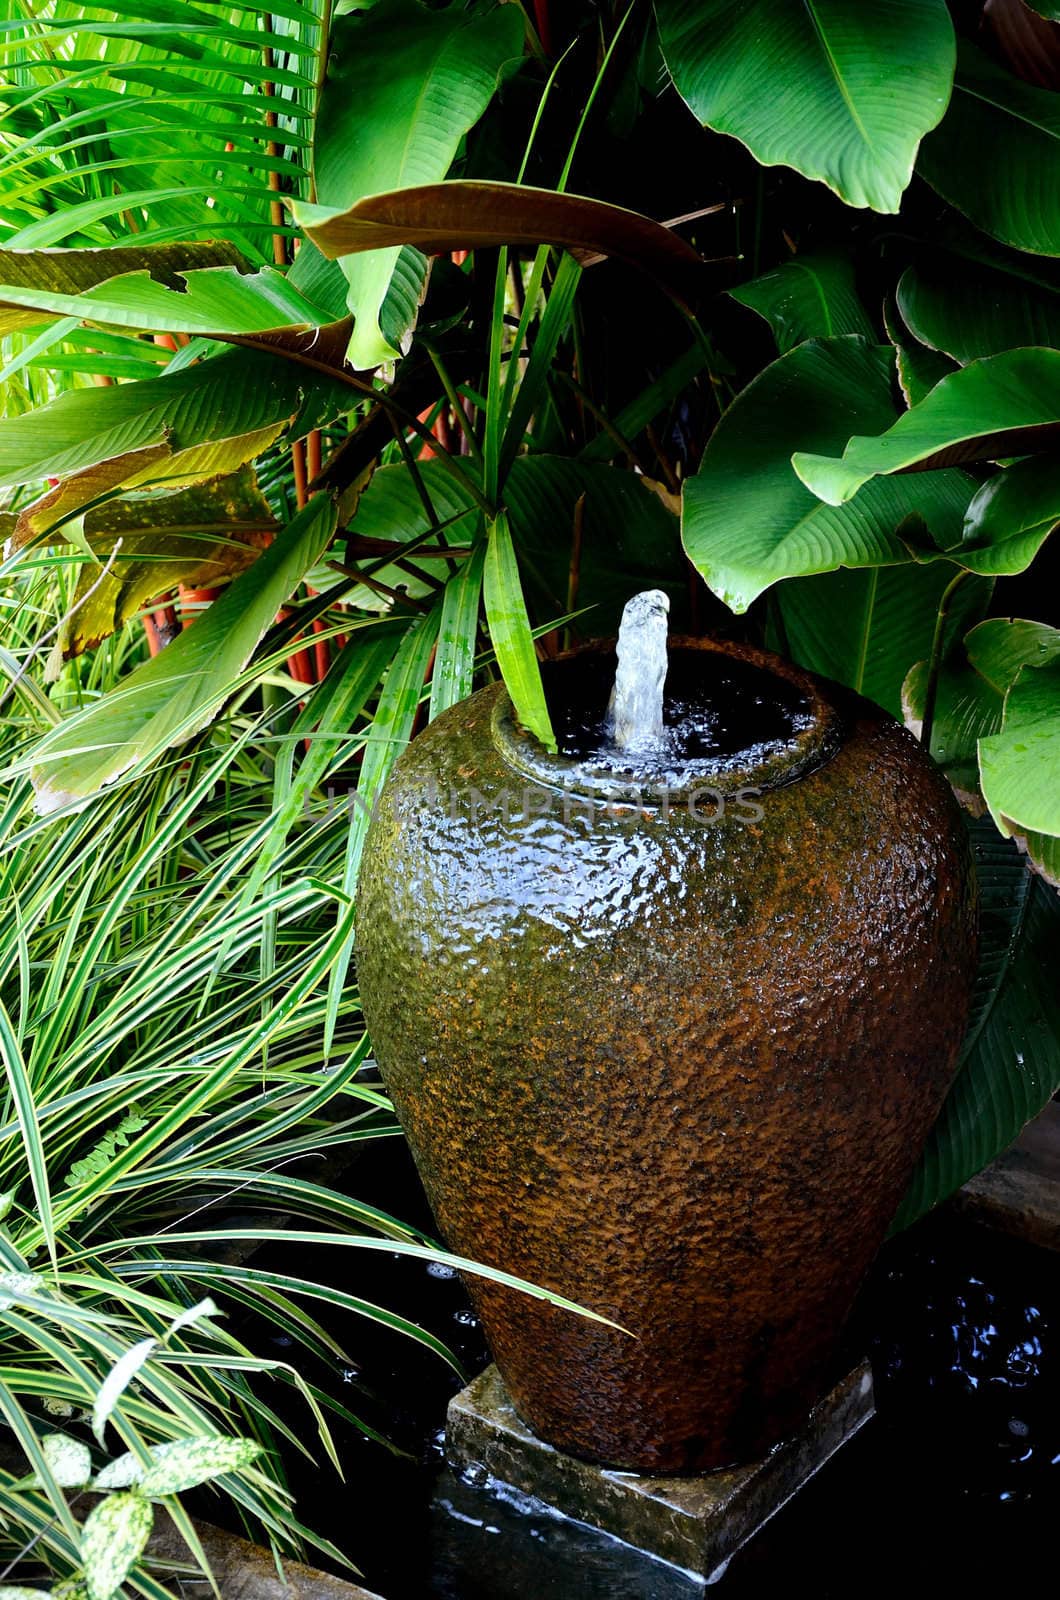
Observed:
{"x":677,"y":1069}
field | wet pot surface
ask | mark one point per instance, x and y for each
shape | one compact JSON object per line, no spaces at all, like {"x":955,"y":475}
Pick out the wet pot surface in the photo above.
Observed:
{"x":671,"y":1060}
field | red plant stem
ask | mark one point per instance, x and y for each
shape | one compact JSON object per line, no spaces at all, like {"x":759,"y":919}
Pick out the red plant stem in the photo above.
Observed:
{"x":544,"y":25}
{"x":301,"y":477}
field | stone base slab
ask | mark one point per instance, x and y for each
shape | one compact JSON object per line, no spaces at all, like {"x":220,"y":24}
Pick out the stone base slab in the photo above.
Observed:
{"x":696,"y":1524}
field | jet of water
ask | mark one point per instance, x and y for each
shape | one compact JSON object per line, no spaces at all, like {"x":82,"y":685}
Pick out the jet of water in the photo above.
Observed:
{"x":635,"y":711}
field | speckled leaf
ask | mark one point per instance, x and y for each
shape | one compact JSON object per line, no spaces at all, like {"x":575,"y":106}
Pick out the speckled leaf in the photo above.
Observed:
{"x":72,"y":272}
{"x":1011,"y":1055}
{"x":1008,"y":404}
{"x":112,"y":1541}
{"x":808,"y":297}
{"x":184,"y":1463}
{"x":841,"y":90}
{"x":748,"y":521}
{"x":69,"y":1460}
{"x":996,"y":156}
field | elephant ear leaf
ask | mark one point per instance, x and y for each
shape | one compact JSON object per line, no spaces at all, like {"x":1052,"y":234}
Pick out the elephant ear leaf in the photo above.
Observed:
{"x":1011,"y":1059}
{"x":840,"y":90}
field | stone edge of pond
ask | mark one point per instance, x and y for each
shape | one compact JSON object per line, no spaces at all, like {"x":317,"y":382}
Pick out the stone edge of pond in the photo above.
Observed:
{"x":1019,"y":1193}
{"x":243,"y":1571}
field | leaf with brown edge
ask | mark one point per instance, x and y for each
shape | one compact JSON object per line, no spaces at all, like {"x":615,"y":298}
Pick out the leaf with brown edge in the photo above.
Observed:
{"x":73,"y":272}
{"x":468,"y":215}
{"x":199,"y":536}
{"x":55,"y":516}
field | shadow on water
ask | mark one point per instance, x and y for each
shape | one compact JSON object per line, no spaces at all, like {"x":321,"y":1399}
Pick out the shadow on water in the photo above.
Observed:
{"x":955,"y":1480}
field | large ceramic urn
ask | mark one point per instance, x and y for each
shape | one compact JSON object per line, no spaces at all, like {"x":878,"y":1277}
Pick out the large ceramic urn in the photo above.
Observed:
{"x":667,"y":1038}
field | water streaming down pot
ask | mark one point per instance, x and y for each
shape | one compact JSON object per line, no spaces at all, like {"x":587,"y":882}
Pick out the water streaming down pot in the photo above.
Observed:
{"x":673,"y":1065}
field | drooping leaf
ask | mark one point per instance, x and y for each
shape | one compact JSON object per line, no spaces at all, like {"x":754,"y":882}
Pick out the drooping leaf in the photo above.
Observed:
{"x":748,"y":521}
{"x":112,"y":1541}
{"x":167,"y":699}
{"x":69,"y":273}
{"x":1005,"y":405}
{"x":1010,"y":518}
{"x":404,"y":85}
{"x":1015,"y":194}
{"x":867,"y":629}
{"x":117,"y":1381}
{"x":1011,"y":1056}
{"x":969,"y":309}
{"x":215,"y":300}
{"x":467,"y":215}
{"x":509,"y":628}
{"x":808,"y":297}
{"x":199,"y":536}
{"x":841,"y":90}
{"x":1019,"y":768}
{"x":238,"y":392}
{"x":919,"y":367}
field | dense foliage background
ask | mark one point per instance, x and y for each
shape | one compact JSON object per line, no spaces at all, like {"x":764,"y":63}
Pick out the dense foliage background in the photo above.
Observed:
{"x":351,"y":354}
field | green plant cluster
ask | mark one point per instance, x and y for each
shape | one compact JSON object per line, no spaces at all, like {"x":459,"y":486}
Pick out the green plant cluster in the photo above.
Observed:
{"x":363,"y":350}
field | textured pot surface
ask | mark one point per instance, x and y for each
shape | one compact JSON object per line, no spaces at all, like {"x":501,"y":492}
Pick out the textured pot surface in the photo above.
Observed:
{"x":678,"y":1069}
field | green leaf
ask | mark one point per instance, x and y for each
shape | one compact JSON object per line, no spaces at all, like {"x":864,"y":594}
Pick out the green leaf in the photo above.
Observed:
{"x":217,"y":300}
{"x":1010,"y":518}
{"x":23,"y":1101}
{"x":747,"y":519}
{"x":467,"y":215}
{"x":167,"y":699}
{"x":1019,"y":768}
{"x":1001,"y":646}
{"x":841,"y":90}
{"x":69,"y":273}
{"x":967,"y":707}
{"x":1011,"y":1055}
{"x":236,"y":393}
{"x":867,"y":629}
{"x":969,"y":309}
{"x":112,"y":1541}
{"x":1007,"y":404}
{"x":454,"y":662}
{"x":199,"y":536}
{"x":1015,"y":194}
{"x":509,"y":629}
{"x":1049,"y":9}
{"x":404,"y":85}
{"x":69,"y":1460}
{"x":808,"y":297}
{"x":118,"y":1379}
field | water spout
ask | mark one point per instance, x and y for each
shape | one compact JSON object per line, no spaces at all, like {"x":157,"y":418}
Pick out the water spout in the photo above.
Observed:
{"x":635,"y":711}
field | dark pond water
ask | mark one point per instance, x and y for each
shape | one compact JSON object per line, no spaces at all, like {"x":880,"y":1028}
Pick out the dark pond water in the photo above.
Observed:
{"x":954,"y":1483}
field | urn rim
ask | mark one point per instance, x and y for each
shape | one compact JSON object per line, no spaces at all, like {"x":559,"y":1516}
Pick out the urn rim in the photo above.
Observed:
{"x":765,"y":768}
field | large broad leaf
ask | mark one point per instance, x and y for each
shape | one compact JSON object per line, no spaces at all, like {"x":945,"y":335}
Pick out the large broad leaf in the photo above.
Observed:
{"x":404,"y":85}
{"x":969,"y":309}
{"x":841,"y":90}
{"x":69,"y":273}
{"x":1019,"y":768}
{"x":216,"y":300}
{"x":467,"y":215}
{"x":235,"y":393}
{"x":199,"y":536}
{"x":866,"y":629}
{"x":996,"y":156}
{"x":748,"y":521}
{"x":169,"y":698}
{"x":808,"y":297}
{"x":1008,"y":404}
{"x":1011,"y":1059}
